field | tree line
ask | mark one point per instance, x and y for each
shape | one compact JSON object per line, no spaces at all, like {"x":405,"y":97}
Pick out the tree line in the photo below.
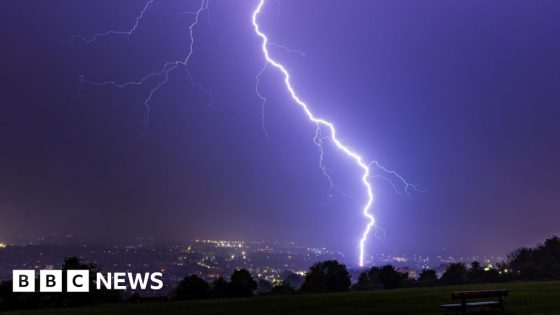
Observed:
{"x":541,"y":262}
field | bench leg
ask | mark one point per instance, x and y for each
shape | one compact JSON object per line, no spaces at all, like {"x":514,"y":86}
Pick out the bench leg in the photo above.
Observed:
{"x":502,"y":304}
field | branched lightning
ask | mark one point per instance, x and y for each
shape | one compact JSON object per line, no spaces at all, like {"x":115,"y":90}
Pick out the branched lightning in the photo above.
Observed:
{"x":407,"y":187}
{"x":163,"y":74}
{"x":325,"y":130}
{"x":263,"y":99}
{"x":318,"y":138}
{"x":287,"y":49}
{"x":318,"y":141}
{"x":113,"y":32}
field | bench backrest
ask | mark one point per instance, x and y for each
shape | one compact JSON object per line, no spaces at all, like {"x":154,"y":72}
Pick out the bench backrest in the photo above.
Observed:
{"x":460,"y":295}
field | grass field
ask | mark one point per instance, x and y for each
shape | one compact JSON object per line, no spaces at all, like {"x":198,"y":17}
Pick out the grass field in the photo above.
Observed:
{"x":524,"y":298}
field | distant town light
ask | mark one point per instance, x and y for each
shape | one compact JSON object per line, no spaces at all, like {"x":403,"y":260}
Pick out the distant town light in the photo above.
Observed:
{"x":400,"y":259}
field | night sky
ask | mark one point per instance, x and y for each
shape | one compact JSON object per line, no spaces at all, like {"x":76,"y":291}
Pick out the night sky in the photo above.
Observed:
{"x":460,"y":97}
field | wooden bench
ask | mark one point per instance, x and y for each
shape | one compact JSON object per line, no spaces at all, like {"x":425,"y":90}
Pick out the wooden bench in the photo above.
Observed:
{"x":469,"y":295}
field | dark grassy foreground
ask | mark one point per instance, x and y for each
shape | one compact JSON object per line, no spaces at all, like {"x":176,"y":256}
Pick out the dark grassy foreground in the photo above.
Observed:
{"x":525,"y":298}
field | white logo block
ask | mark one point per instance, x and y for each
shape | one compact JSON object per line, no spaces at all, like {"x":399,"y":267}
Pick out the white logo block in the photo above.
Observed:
{"x":50,"y":281}
{"x":23,"y":281}
{"x":77,"y":280}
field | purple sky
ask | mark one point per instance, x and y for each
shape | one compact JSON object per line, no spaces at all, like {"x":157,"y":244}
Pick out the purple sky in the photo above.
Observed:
{"x":460,"y":97}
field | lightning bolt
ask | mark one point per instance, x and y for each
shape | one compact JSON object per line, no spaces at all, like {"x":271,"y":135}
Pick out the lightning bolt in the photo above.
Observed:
{"x":258,"y":80}
{"x":317,"y":139}
{"x":319,"y":122}
{"x":162,"y":74}
{"x":329,"y":126}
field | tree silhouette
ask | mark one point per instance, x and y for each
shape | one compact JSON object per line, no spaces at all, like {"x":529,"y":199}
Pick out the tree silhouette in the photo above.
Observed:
{"x":475,"y":274}
{"x":294,"y":280}
{"x":241,"y":284}
{"x":456,"y":273}
{"x":428,"y":277}
{"x":386,"y":277}
{"x":373,"y":276}
{"x":192,"y":288}
{"x":283,"y":289}
{"x":363,"y":282}
{"x":326,"y":276}
{"x":263,"y":287}
{"x":219,"y":288}
{"x":390,"y":277}
{"x":539,"y":263}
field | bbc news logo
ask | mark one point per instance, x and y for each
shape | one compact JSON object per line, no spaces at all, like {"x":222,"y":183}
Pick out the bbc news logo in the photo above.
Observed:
{"x":78,"y":281}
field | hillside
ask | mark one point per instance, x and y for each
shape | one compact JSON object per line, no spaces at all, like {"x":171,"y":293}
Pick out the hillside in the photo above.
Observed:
{"x":525,"y":298}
